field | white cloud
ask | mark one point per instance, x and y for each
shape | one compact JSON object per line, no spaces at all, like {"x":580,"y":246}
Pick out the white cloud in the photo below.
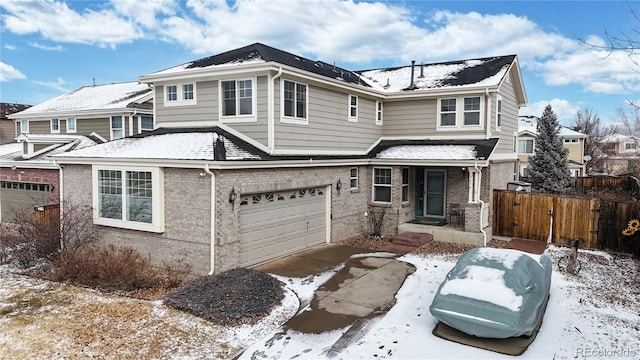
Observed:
{"x":564,"y":110}
{"x":46,"y":47}
{"x":9,"y":47}
{"x":8,"y":72}
{"x":57,"y":85}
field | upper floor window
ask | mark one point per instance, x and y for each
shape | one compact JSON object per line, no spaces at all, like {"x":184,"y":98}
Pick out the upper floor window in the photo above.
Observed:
{"x":498,"y":112}
{"x":382,"y":185}
{"x":55,"y":126}
{"x":71,"y":125}
{"x":353,"y":108}
{"x":24,"y":126}
{"x":237,"y":98}
{"x":353,"y":178}
{"x":378,"y":112}
{"x":117,"y":127}
{"x":405,"y":184}
{"x":460,"y":112}
{"x":294,"y":102}
{"x":146,"y":123}
{"x":525,"y":146}
{"x":571,"y":141}
{"x":630,"y":146}
{"x":183,"y":94}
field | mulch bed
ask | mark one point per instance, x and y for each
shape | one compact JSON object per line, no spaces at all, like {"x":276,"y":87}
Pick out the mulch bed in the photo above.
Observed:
{"x":237,"y":296}
{"x":376,"y":243}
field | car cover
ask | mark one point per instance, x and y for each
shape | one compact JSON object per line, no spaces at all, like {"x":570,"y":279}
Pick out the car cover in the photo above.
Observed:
{"x":494,"y":293}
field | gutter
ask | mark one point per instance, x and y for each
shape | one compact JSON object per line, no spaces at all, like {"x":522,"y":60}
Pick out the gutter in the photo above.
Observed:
{"x":213,"y":218}
{"x":479,"y":187}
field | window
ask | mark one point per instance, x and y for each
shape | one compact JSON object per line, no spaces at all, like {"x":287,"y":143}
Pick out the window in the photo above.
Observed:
{"x":498,"y":112}
{"x":472,"y":111}
{"x":71,"y":125}
{"x":378,"y":112}
{"x":55,"y":126}
{"x":525,"y":171}
{"x":405,"y":184}
{"x":128,"y":198}
{"x":630,"y":146}
{"x":382,"y":185}
{"x":570,"y":141}
{"x":146,"y":123}
{"x":525,"y":146}
{"x":294,"y":101}
{"x":24,"y":126}
{"x":353,"y":178}
{"x":117,"y":127}
{"x":183,"y":94}
{"x":237,"y":97}
{"x":454,"y":117}
{"x":353,"y":108}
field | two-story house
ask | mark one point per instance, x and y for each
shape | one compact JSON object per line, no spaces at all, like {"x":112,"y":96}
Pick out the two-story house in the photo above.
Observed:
{"x":621,"y":154}
{"x":84,"y":117}
{"x":574,"y":142}
{"x":259,"y":153}
{"x":7,"y":127}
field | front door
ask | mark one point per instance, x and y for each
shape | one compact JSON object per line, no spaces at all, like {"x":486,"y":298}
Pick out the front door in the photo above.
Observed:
{"x":434,"y":193}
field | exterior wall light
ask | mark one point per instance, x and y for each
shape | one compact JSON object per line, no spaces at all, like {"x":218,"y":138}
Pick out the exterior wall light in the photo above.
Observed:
{"x":339,"y":185}
{"x":232,"y":197}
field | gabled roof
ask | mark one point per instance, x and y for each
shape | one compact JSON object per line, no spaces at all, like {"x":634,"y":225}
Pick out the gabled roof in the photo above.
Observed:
{"x":11,"y":154}
{"x":529,"y":125}
{"x":90,"y":98}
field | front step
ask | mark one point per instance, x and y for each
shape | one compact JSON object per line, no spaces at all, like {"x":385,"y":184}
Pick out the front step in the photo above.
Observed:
{"x":412,"y":239}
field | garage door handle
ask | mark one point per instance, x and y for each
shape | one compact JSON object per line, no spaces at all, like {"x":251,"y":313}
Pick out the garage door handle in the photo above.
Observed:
{"x":307,"y":225}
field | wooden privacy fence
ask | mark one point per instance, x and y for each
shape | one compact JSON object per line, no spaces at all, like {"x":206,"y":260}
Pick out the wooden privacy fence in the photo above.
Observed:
{"x":537,"y":216}
{"x":47,"y":214}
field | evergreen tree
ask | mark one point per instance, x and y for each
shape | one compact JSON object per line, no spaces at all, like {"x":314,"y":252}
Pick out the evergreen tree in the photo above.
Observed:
{"x":548,"y":169}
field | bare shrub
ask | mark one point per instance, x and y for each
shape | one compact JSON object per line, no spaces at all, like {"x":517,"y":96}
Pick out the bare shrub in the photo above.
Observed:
{"x":376,"y":219}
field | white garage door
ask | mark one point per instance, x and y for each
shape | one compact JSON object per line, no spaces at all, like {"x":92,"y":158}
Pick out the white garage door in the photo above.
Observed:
{"x":280,"y":223}
{"x":18,"y":197}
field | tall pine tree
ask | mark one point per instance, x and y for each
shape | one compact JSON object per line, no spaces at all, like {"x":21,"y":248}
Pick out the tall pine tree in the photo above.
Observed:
{"x":548,"y":171}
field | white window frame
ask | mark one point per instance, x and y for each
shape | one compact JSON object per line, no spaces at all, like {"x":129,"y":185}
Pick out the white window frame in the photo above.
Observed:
{"x":180,"y":95}
{"x":157,"y":199}
{"x":499,"y":105}
{"x":352,"y":108}
{"x":353,"y":178}
{"x":459,"y":114}
{"x":54,"y":129}
{"x":571,"y":141}
{"x":294,"y":119}
{"x":379,"y":112}
{"x":633,"y":146}
{"x":405,"y":184}
{"x":533,"y":146}
{"x":238,"y":118}
{"x":71,"y":130}
{"x":24,"y":126}
{"x":374,"y":185}
{"x":153,"y":123}
{"x":184,"y":92}
{"x":111,"y":128}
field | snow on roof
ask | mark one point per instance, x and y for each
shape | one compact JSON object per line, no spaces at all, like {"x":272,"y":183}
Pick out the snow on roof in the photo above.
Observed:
{"x":73,"y":142}
{"x":614,"y":138}
{"x":429,"y":152}
{"x":530,"y":124}
{"x":10,"y":148}
{"x":108,"y":96}
{"x":190,"y":65}
{"x":176,"y":146}
{"x":466,"y":73}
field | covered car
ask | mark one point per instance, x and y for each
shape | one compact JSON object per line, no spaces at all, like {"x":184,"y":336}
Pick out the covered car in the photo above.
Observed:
{"x":494,"y":293}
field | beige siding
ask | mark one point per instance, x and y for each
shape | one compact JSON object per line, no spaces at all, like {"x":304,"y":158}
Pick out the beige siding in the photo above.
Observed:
{"x":575,"y":151}
{"x":39,"y":127}
{"x":101,"y":126}
{"x":328,"y":126}
{"x":509,"y":124}
{"x":410,"y":118}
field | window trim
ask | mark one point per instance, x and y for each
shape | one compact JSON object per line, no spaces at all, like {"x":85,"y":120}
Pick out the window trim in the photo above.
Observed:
{"x":533,"y":146}
{"x":157,"y":199}
{"x":294,"y":119}
{"x":22,"y":126}
{"x":111,"y":128}
{"x":499,"y":104}
{"x":353,"y":178}
{"x":75,"y":125}
{"x":373,"y":184}
{"x":180,"y":100}
{"x":352,"y":118}
{"x":153,"y":123}
{"x":379,"y":112}
{"x":633,"y":148}
{"x":459,"y":114}
{"x":405,"y":185}
{"x":238,"y":118}
{"x":51,"y":127}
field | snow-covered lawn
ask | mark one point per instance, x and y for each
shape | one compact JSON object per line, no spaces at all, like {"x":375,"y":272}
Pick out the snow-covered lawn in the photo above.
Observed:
{"x":595,"y":314}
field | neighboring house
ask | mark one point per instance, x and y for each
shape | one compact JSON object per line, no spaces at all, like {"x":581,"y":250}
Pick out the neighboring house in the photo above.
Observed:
{"x":7,"y":128}
{"x":84,"y":117}
{"x":112,"y":111}
{"x":622,"y":154}
{"x":574,"y":141}
{"x":259,"y":153}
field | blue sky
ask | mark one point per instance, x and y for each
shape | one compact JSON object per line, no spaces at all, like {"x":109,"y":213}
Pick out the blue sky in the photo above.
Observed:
{"x":50,"y":47}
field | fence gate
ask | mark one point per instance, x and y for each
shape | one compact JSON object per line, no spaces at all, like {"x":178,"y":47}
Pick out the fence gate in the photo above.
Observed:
{"x":575,"y":218}
{"x":532,"y":216}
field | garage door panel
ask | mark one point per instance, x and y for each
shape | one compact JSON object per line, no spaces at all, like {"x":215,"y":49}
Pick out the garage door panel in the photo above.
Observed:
{"x":280,"y":223}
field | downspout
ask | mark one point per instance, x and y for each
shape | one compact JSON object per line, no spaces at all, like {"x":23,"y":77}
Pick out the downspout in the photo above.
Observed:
{"x":60,"y":197}
{"x":271,"y":117}
{"x":478,"y":187}
{"x":213,"y":218}
{"x":135,"y":112}
{"x":488,"y":112}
